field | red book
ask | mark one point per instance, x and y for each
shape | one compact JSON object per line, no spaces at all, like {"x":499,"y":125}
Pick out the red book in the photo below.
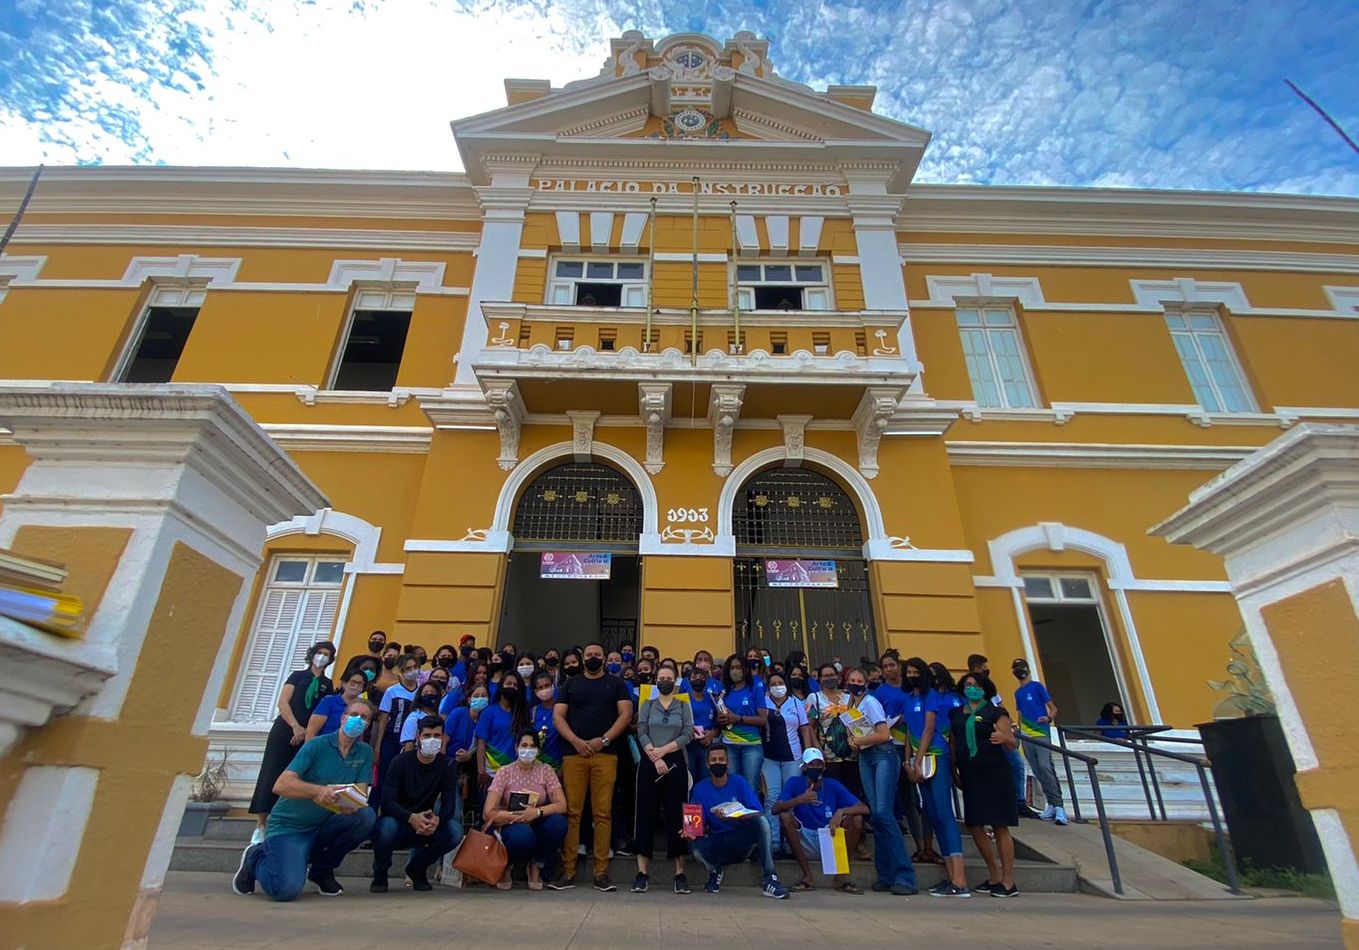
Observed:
{"x":693,"y":820}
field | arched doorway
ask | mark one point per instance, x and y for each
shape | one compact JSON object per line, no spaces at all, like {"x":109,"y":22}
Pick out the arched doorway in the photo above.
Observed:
{"x":566,"y":512}
{"x":787,"y":523}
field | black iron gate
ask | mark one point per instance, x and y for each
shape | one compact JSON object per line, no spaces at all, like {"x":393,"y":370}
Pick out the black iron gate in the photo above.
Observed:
{"x":797,"y":513}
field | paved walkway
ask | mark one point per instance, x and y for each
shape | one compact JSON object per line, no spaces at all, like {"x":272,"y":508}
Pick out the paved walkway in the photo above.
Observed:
{"x":198,"y":911}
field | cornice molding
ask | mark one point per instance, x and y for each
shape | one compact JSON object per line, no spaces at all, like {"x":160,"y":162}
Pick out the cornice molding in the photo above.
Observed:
{"x":227,"y":236}
{"x":1158,"y":257}
{"x":1095,"y":455}
{"x":299,"y":437}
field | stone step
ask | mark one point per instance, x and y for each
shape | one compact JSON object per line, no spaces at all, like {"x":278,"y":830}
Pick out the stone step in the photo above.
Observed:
{"x":222,"y":856}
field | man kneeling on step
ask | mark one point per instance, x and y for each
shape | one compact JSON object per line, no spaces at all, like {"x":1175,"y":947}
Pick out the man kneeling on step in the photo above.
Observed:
{"x":421,"y":809}
{"x":734,"y":826}
{"x":320,"y":816}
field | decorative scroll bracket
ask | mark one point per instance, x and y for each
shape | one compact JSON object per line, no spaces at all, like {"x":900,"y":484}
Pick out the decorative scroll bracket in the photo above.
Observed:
{"x":794,"y":439}
{"x":870,"y":421}
{"x":654,"y":399}
{"x":724,"y":408}
{"x":505,"y":402}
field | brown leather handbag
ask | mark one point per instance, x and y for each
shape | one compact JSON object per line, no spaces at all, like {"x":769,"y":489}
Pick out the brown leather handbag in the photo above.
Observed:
{"x":482,"y":856}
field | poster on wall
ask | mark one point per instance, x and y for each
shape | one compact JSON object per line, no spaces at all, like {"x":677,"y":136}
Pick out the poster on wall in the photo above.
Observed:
{"x":572,"y":566}
{"x":792,"y":572}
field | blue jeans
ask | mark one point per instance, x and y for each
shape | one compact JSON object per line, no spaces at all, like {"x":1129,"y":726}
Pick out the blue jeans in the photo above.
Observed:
{"x":1017,"y":771}
{"x":746,"y":761}
{"x":392,"y":835}
{"x":698,"y":761}
{"x":280,"y":864}
{"x":936,"y":797}
{"x":541,"y":840}
{"x":880,"y":770}
{"x":775,"y":775}
{"x":907,"y":804}
{"x":716,"y":851}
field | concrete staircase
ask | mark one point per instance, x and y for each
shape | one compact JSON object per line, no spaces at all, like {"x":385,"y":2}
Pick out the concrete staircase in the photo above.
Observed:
{"x":1122,"y":789}
{"x":219,"y":851}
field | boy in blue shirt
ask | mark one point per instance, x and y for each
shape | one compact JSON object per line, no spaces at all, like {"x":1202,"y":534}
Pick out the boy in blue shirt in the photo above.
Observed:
{"x":732,"y":840}
{"x":1036,"y":712}
{"x":810,"y":802}
{"x":705,"y":718}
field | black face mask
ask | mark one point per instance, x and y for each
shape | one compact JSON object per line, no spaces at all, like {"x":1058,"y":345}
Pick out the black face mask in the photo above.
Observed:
{"x":550,"y":662}
{"x":421,"y":659}
{"x":495,"y":666}
{"x":798,"y":683}
{"x":511,"y":695}
{"x":872,"y":687}
{"x":389,"y":662}
{"x":644,"y":677}
{"x":856,"y":689}
{"x":428,"y":702}
{"x":698,"y":684}
{"x":1020,"y":672}
{"x":571,"y":670}
{"x":813,"y":775}
{"x":718,"y":769}
{"x":666,"y":688}
{"x":445,"y":662}
{"x":375,"y":646}
{"x":912,"y":682}
{"x":594,"y":663}
{"x":831,"y":682}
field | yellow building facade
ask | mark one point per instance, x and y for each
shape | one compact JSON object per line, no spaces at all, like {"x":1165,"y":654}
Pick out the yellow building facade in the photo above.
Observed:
{"x":697,"y":318}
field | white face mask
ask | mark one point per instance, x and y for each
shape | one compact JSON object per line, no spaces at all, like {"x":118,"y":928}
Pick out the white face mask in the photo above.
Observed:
{"x":778,"y":692}
{"x":525,"y":670}
{"x":528,"y":756}
{"x":430,"y":745}
{"x":321,"y":661}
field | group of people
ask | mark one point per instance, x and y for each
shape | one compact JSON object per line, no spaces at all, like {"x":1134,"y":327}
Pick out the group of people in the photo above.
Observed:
{"x":746,"y":759}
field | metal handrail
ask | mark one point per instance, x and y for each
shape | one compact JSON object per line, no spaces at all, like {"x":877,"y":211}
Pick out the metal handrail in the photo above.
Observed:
{"x":1200,"y":763}
{"x":1090,"y":762}
{"x":1151,"y":785}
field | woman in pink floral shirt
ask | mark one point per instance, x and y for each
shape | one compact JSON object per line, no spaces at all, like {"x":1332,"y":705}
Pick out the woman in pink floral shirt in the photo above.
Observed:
{"x":527,"y":806}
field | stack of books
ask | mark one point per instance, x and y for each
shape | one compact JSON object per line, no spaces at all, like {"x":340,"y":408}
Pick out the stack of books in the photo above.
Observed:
{"x":30,"y":592}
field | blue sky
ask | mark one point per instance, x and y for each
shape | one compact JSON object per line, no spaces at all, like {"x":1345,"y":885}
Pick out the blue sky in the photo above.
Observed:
{"x":1145,"y":93}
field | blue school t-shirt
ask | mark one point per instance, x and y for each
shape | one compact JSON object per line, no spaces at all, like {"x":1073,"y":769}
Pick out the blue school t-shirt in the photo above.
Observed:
{"x":707,"y":794}
{"x":1031,"y":702}
{"x":458,"y":728}
{"x":744,"y":702}
{"x":833,"y":796}
{"x":893,"y":700}
{"x":332,"y":707}
{"x":496,"y":727}
{"x":551,"y":745}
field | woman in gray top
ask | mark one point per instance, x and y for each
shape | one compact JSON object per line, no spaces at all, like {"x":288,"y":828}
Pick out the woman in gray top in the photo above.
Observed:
{"x":665,"y":724}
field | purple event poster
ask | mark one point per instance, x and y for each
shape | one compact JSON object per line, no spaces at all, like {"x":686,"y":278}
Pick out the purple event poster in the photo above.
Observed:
{"x":572,"y":566}
{"x":792,"y":572}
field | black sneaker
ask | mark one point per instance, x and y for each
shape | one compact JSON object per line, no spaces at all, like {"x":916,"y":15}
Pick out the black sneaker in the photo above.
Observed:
{"x":1026,"y":812}
{"x":681,"y":884}
{"x":325,"y":883}
{"x":640,"y":883}
{"x":602,"y":883}
{"x":1000,"y":890}
{"x":983,"y":888}
{"x":379,"y":885}
{"x":950,"y":890}
{"x":419,"y":879}
{"x":714,"y":882}
{"x":624,"y":851}
{"x":243,"y":882}
{"x":561,"y":883}
{"x":941,"y":886}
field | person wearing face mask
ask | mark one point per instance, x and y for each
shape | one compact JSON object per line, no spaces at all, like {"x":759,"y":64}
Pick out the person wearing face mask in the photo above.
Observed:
{"x":388,"y":675}
{"x":377,"y":641}
{"x":552,"y":663}
{"x":397,"y":702}
{"x":570,"y":666}
{"x":467,"y":651}
{"x":426,"y":704}
{"x":311,"y":828}
{"x":592,"y":714}
{"x":505,"y":718}
{"x":422,"y":658}
{"x":613,"y":663}
{"x":461,"y":743}
{"x":440,"y":678}
{"x":788,"y":732}
{"x":302,"y":691}
{"x":326,"y":717}
{"x":1037,"y":712}
{"x":823,"y":710}
{"x":626,"y":654}
{"x":704,"y":711}
{"x":979,"y":735}
{"x":550,"y":745}
{"x":808,"y":802}
{"x":892,"y":696}
{"x":665,"y":726}
{"x":976,"y":663}
{"x":930,"y":769}
{"x":525,"y":666}
{"x":1112,"y":722}
{"x":457,"y":692}
{"x":731,"y":840}
{"x":742,"y":712}
{"x":880,"y":771}
{"x":527,"y":807}
{"x":511,"y":653}
{"x":421,"y":809}
{"x":495,"y":669}
{"x":445,"y":658}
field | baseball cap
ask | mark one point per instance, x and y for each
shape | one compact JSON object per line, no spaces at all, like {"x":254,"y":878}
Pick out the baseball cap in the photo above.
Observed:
{"x":812,"y":755}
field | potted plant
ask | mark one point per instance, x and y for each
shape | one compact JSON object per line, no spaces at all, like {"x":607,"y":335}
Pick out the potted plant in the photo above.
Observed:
{"x":204,"y":799}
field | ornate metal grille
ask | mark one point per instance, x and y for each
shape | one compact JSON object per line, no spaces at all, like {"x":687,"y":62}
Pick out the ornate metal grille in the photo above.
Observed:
{"x":794,"y":508}
{"x":581,"y":502}
{"x":824,"y":623}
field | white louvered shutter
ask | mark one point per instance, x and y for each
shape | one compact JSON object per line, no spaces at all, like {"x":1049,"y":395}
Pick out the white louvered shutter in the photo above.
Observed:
{"x":315,"y":622}
{"x":266,"y":659}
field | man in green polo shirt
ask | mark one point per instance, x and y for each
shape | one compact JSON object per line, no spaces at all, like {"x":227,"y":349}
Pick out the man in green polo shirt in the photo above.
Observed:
{"x":305,"y":828}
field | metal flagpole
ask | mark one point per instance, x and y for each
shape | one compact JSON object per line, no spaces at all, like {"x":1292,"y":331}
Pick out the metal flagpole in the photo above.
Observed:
{"x":651,"y":279}
{"x":693,"y":295}
{"x":733,"y":290}
{"x":19,"y":215}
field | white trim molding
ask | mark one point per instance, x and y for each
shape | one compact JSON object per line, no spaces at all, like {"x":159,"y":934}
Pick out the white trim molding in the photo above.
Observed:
{"x":1345,"y":300}
{"x":304,"y":437}
{"x":1187,"y":290}
{"x":1068,"y":255}
{"x":358,"y":532}
{"x":206,"y":235}
{"x":19,"y":270}
{"x":1027,"y":291}
{"x":1095,"y":455}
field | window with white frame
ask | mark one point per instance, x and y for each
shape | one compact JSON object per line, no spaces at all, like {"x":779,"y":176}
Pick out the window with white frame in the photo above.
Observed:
{"x":375,"y":339}
{"x":297,"y":608}
{"x":162,"y":329}
{"x":789,"y":285}
{"x":996,"y":363}
{"x":1208,"y":360}
{"x":584,"y":282}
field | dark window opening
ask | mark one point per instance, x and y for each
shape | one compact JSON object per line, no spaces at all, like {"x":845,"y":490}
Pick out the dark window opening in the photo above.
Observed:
{"x":599,"y":295}
{"x":778,"y":343}
{"x":164,"y":333}
{"x":778,"y":298}
{"x":372,"y":354}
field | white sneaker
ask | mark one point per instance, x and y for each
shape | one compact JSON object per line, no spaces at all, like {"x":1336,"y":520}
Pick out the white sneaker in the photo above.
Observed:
{"x":1059,"y":815}
{"x":1049,"y":813}
{"x":257,"y":836}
